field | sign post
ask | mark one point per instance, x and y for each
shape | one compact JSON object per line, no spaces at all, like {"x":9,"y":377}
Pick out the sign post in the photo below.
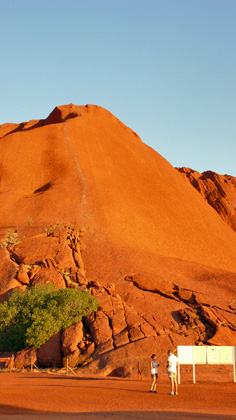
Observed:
{"x":234,"y":361}
{"x":194,"y":377}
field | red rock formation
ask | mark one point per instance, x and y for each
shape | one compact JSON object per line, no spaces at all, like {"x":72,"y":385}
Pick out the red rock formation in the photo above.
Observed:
{"x":218,"y":190}
{"x":89,"y":205}
{"x":71,"y":338}
{"x":25,"y":358}
{"x":8,"y":270}
{"x":49,"y":353}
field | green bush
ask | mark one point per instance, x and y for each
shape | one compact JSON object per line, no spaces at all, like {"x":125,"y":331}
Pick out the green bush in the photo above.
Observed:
{"x":30,"y":318}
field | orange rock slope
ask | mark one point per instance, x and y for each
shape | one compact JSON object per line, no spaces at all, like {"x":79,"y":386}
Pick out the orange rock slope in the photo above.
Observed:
{"x":88,"y":204}
{"x":218,"y":190}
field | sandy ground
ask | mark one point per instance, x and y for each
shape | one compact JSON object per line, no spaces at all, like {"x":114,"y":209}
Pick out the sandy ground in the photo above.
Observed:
{"x":52,"y":396}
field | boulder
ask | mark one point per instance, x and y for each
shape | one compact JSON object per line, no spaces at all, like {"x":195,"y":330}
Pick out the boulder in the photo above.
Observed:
{"x":99,"y":328}
{"x":25,"y":358}
{"x":36,"y":249}
{"x":49,"y":353}
{"x":64,"y":255}
{"x":48,"y":275}
{"x":8,"y":271}
{"x":22,"y":275}
{"x":71,"y":337}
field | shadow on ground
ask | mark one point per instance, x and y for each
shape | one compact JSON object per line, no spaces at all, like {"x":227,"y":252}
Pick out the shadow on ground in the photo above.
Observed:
{"x":13,"y":413}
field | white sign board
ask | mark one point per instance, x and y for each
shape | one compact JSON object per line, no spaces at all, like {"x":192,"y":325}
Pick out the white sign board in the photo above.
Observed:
{"x":202,"y":355}
{"x":188,"y":355}
{"x":199,"y":355}
{"x":185,"y":355}
{"x":223,"y":355}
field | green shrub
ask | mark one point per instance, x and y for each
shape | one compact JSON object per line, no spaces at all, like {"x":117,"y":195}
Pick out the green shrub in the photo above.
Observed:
{"x":30,"y":318}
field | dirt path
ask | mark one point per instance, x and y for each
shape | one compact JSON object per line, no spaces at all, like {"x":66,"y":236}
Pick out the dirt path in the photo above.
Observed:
{"x":47,"y":396}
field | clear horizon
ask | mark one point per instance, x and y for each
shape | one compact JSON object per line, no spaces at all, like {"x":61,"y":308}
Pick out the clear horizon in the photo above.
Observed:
{"x":165,"y":68}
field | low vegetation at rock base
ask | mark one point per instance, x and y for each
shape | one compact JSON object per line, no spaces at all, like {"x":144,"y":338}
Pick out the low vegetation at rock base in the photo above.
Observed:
{"x":30,"y":318}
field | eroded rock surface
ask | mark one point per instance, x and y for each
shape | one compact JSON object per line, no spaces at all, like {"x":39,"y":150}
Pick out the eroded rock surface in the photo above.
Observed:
{"x":139,"y":314}
{"x":25,"y":358}
{"x":97,"y":209}
{"x":49,"y":353}
{"x":218,"y":190}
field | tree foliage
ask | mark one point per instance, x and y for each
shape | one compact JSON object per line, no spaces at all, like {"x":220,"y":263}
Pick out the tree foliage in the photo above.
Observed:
{"x":30,"y":318}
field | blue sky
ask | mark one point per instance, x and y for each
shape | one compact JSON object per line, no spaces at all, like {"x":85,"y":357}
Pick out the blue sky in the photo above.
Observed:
{"x":165,"y":68}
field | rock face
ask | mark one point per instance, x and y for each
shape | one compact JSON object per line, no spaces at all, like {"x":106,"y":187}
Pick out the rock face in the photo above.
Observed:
{"x":49,"y":353}
{"x":25,"y":358}
{"x":85,"y":204}
{"x":218,"y":190}
{"x":8,"y":270}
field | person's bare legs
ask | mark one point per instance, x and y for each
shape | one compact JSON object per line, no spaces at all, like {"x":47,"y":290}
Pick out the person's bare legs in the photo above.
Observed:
{"x":175,"y":385}
{"x":154,"y":383}
{"x":171,"y":385}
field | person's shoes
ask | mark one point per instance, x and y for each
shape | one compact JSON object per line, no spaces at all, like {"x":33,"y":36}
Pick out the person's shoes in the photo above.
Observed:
{"x":150,"y":390}
{"x":176,"y":393}
{"x":171,"y":393}
{"x":155,"y":392}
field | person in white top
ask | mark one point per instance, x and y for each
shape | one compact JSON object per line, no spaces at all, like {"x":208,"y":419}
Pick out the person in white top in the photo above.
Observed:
{"x":172,"y":364}
{"x":154,"y":373}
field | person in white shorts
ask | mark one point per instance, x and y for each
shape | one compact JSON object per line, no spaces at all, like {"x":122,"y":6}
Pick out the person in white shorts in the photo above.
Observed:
{"x":154,"y":373}
{"x":172,"y":364}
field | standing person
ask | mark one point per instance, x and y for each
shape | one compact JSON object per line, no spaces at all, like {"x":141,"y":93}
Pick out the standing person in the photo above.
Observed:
{"x":154,"y":373}
{"x":172,"y":364}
